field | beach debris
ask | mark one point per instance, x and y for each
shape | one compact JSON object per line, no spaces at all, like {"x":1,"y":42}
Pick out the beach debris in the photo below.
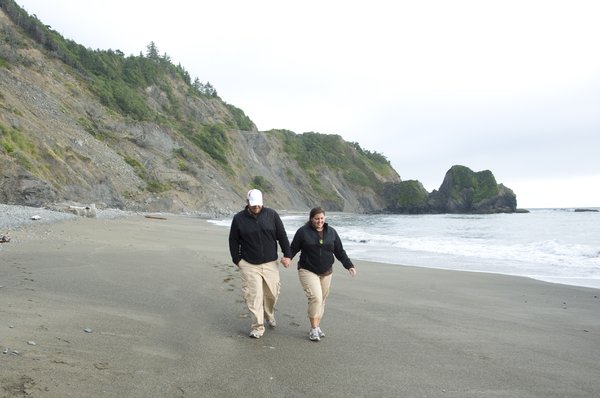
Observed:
{"x":36,"y":217}
{"x":15,"y":352}
{"x":5,"y":351}
{"x":31,"y":342}
{"x":155,"y":217}
{"x":83,"y":211}
{"x":4,"y":238}
{"x":88,"y":330}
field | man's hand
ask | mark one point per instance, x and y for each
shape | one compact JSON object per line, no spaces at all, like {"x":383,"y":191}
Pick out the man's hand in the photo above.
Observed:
{"x":285,"y":261}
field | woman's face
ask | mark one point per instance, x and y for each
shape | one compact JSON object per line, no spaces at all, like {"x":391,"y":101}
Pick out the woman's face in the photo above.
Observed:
{"x":318,"y":220}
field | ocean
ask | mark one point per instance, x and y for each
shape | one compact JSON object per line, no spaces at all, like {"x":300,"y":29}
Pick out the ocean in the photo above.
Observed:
{"x":552,"y":245}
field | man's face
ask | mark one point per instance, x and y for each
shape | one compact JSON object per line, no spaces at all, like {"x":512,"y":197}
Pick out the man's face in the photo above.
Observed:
{"x":255,"y":209}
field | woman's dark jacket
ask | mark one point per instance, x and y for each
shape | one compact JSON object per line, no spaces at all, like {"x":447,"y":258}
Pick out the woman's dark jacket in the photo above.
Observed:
{"x":254,"y":238}
{"x":315,"y":256}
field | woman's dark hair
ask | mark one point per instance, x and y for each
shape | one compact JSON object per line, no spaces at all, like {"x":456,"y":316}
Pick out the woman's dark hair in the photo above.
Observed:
{"x":314,"y":211}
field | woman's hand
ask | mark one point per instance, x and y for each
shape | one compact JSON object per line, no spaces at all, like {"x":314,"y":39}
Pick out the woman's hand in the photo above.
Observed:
{"x":352,"y":272}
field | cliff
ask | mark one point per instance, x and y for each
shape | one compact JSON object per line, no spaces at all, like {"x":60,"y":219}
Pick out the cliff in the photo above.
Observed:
{"x":135,"y":132}
{"x":462,"y":191}
{"x":132,"y":132}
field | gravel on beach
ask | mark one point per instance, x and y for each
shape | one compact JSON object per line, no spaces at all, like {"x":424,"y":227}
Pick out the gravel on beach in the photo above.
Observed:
{"x":15,"y":216}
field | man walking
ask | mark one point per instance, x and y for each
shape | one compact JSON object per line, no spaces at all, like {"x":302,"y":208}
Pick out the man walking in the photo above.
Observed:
{"x":253,"y":237}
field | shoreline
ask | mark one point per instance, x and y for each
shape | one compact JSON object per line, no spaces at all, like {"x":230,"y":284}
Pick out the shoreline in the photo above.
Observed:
{"x":18,"y":216}
{"x":567,"y":273}
{"x":163,"y":305}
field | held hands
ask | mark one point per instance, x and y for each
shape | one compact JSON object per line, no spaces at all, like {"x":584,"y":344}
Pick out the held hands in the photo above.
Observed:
{"x":352,"y":272}
{"x":285,"y":261}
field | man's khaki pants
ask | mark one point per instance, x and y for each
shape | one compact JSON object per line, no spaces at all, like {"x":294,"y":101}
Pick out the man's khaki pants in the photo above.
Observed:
{"x":260,"y":287}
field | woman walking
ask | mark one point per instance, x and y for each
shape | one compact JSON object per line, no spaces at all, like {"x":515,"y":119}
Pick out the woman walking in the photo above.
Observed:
{"x":318,"y":244}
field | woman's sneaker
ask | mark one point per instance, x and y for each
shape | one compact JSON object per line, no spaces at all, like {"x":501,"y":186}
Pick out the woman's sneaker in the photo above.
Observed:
{"x":313,"y":335}
{"x":321,"y":333}
{"x":255,"y":334}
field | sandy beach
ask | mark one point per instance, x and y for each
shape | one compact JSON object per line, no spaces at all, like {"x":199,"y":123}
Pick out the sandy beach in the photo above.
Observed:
{"x":145,"y":307}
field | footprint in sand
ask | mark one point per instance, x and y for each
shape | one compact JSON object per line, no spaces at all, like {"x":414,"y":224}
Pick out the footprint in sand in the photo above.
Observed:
{"x":17,"y":387}
{"x":292,"y":323}
{"x":232,"y":286}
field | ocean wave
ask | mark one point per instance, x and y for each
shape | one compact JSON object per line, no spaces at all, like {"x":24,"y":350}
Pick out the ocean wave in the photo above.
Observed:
{"x":541,"y":244}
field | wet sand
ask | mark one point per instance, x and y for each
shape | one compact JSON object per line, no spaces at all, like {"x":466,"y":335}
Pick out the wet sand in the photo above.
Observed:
{"x":139,"y":307}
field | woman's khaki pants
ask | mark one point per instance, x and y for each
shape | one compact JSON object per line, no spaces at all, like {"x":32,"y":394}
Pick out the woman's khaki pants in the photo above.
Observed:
{"x":316,"y":288}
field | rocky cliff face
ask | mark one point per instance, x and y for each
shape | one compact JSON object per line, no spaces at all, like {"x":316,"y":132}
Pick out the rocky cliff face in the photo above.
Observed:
{"x":134,"y":133}
{"x":462,"y":191}
{"x":465,"y":191}
{"x":60,"y":143}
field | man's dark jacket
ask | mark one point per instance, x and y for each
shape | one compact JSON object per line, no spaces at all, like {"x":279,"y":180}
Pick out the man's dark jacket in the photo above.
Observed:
{"x":254,"y":238}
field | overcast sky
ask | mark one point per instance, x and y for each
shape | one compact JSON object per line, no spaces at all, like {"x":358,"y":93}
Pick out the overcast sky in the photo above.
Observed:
{"x":507,"y":86}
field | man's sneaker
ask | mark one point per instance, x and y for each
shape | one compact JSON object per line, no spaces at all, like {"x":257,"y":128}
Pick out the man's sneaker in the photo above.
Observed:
{"x":313,"y":335}
{"x":272,"y":323}
{"x":255,"y":334}
{"x":321,"y":333}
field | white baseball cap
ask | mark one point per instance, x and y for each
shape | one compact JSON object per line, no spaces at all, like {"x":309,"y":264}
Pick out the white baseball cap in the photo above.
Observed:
{"x":255,"y":197}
